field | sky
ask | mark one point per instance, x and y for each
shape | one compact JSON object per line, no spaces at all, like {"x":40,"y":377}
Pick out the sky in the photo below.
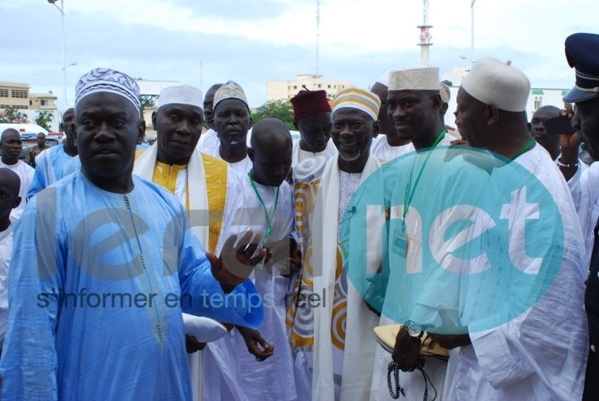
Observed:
{"x":200,"y":42}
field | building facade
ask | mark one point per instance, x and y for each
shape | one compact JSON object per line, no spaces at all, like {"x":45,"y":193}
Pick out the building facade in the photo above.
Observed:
{"x":285,"y":90}
{"x":42,"y":101}
{"x":14,"y":94}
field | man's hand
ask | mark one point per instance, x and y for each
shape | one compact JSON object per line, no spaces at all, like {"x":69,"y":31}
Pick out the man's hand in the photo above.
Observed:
{"x":406,"y":351}
{"x":294,"y":263}
{"x":236,"y":262}
{"x":256,"y":345}
{"x":192,"y":345}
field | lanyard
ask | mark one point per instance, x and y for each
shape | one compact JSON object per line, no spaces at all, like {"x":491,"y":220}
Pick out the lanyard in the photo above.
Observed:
{"x":268,"y":218}
{"x":409,"y":190}
{"x":528,"y":146}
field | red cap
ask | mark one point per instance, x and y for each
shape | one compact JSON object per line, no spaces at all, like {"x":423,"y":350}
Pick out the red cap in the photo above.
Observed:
{"x":308,"y":103}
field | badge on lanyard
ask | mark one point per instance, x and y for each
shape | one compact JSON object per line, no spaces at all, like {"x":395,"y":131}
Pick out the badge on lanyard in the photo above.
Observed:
{"x":400,"y":240}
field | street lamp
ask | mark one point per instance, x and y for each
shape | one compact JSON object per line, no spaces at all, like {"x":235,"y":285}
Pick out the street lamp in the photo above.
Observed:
{"x":64,"y":61}
{"x":466,"y":58}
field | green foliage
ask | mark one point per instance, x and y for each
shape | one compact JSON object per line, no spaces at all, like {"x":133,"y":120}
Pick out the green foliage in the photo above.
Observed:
{"x":147,"y":101}
{"x":280,"y":109}
{"x":12,"y":115}
{"x":44,"y":119}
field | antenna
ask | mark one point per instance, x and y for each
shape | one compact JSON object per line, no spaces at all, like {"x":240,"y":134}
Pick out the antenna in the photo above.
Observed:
{"x":425,"y":36}
{"x":317,"y":34}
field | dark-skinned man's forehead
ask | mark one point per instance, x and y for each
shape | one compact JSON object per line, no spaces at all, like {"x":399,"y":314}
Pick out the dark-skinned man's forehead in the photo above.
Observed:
{"x":350,"y":114}
{"x":411,"y":94}
{"x":9,"y":181}
{"x":10,"y":133}
{"x":269,"y":133}
{"x":231,"y":104}
{"x":180,"y":109}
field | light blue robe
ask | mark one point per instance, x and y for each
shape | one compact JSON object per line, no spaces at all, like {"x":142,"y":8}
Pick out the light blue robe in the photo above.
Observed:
{"x":120,"y":261}
{"x":48,"y":168}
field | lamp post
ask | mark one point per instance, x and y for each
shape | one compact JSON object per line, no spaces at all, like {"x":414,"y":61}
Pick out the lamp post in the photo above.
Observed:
{"x":64,"y":61}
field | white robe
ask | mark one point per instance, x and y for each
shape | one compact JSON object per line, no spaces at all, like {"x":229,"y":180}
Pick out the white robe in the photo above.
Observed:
{"x":298,"y":155}
{"x":241,"y":376}
{"x":541,"y":355}
{"x":450,"y":183}
{"x":385,"y":152}
{"x":198,"y":202}
{"x":211,"y":144}
{"x":6,"y":237}
{"x":25,"y":173}
{"x":320,"y":361}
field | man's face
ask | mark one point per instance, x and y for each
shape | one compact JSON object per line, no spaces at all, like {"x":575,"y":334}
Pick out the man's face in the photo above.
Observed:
{"x":208,"y":105}
{"x":387,"y":126}
{"x":537,"y":127}
{"x":315,"y":132}
{"x":352,"y":134}
{"x":586,"y":122}
{"x":9,"y":195}
{"x":107,"y":129}
{"x":11,"y":146}
{"x":68,"y":123}
{"x":231,"y":121}
{"x":469,"y":120}
{"x":271,"y":165}
{"x":41,"y":140}
{"x":179,"y":127}
{"x":412,"y":113}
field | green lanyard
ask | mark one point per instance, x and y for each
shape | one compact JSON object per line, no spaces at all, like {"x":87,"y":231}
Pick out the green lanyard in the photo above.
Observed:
{"x":268,"y":218}
{"x":409,"y":190}
{"x":528,"y":146}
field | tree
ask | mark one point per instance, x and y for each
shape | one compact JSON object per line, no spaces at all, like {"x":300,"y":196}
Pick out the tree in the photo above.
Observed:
{"x":44,"y":119}
{"x":12,"y":115}
{"x":280,"y":109}
{"x":147,"y":101}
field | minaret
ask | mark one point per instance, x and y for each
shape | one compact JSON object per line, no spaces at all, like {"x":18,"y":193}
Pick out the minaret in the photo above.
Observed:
{"x":425,"y":36}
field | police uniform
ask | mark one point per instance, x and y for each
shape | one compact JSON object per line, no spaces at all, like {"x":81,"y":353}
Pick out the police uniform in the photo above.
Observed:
{"x":582,"y":50}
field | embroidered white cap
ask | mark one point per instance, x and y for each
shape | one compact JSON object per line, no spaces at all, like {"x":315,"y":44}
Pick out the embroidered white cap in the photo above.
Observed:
{"x":415,"y":78}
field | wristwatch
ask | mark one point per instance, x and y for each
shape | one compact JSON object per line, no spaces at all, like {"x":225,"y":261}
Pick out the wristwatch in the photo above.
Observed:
{"x":414,"y":329}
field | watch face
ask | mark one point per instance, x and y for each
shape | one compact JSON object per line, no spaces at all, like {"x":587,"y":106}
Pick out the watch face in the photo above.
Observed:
{"x":414,"y":329}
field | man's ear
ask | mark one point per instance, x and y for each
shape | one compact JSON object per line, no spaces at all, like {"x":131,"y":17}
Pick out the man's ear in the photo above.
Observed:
{"x":492,"y":113}
{"x":17,"y":202}
{"x":437,"y":102}
{"x":154,"y":114}
{"x":141,"y":128}
{"x":376,"y":128}
{"x":251,"y":154}
{"x":251,"y":122}
{"x":74,"y":131}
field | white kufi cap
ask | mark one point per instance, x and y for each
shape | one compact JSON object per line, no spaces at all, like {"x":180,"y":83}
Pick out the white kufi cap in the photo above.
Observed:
{"x":181,"y":94}
{"x":498,"y":84}
{"x":415,"y":78}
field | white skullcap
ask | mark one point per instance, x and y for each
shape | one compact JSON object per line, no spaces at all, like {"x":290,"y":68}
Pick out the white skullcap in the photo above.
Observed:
{"x":415,"y":78}
{"x":384,"y":79}
{"x":181,"y":94}
{"x":360,"y":99}
{"x":496,"y":83}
